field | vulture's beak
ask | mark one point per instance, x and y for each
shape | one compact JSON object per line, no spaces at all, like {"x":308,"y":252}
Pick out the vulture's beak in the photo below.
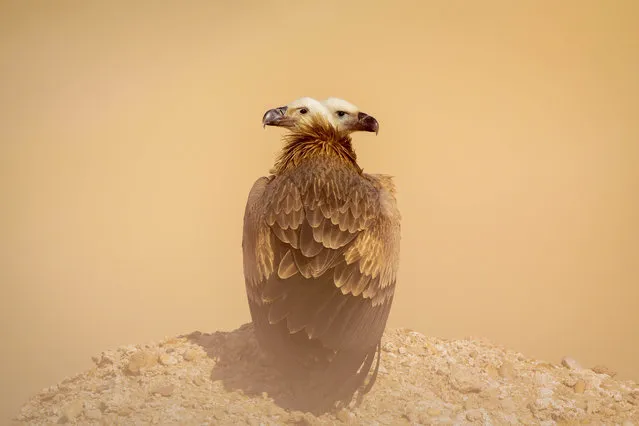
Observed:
{"x":276,"y":117}
{"x":367,"y":123}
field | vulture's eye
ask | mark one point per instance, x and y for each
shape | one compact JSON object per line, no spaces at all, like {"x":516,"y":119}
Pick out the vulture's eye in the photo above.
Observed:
{"x":303,"y":111}
{"x":341,"y":113}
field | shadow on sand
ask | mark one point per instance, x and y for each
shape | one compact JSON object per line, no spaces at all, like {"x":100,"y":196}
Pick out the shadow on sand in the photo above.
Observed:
{"x":241,"y":365}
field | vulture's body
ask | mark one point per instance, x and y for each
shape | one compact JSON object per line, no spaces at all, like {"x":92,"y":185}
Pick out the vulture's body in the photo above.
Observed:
{"x":321,"y":251}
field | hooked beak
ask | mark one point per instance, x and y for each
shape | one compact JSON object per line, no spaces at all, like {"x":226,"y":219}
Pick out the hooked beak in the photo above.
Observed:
{"x":276,"y":117}
{"x":367,"y":123}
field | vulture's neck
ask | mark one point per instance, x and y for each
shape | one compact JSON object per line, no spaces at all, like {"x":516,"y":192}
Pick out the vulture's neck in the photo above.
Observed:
{"x":315,"y":138}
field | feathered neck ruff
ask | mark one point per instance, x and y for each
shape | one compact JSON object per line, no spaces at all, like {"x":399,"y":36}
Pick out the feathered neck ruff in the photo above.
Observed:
{"x":315,"y":137}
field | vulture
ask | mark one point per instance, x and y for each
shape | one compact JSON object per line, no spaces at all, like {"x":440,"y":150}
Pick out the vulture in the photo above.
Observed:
{"x":320,"y":244}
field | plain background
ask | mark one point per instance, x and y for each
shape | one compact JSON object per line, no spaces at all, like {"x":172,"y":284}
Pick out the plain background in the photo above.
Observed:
{"x":131,"y":134}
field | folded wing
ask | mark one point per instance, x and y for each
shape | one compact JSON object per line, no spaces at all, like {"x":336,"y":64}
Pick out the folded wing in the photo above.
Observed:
{"x":321,"y":255}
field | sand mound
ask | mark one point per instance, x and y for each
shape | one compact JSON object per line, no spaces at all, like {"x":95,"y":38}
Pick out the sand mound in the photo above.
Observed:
{"x":221,"y":378}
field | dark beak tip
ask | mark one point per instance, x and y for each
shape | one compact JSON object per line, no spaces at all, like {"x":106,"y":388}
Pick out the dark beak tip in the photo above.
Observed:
{"x":273,"y":116}
{"x":367,"y":122}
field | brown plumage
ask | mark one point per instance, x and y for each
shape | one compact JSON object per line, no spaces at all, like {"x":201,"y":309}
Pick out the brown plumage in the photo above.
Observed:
{"x":321,"y":253}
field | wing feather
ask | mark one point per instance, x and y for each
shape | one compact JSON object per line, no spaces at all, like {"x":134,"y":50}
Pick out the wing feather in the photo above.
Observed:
{"x":309,"y":246}
{"x":257,"y":244}
{"x":287,"y":267}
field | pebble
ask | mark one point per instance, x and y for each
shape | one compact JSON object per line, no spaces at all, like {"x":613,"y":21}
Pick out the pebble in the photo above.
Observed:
{"x":167,"y":359}
{"x":545,"y":365}
{"x":545,"y":392}
{"x":164,"y":390}
{"x":542,"y":379}
{"x":570,"y":382}
{"x":169,"y":341}
{"x":465,"y":381}
{"x":140,"y":360}
{"x":125,"y":411}
{"x":433,"y":412}
{"x":580,"y":386}
{"x":389,"y":347}
{"x":47,"y":396}
{"x":104,"y":359}
{"x":346,"y":416}
{"x":543,"y":403}
{"x":470,"y":404}
{"x":191,"y":355}
{"x":474,"y":415}
{"x":506,"y":370}
{"x":602,"y":369}
{"x":492,"y":371}
{"x":570,"y":363}
{"x":72,"y":410}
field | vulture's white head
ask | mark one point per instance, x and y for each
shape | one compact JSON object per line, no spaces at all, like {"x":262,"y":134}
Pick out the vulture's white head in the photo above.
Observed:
{"x":347,"y":117}
{"x":299,"y":110}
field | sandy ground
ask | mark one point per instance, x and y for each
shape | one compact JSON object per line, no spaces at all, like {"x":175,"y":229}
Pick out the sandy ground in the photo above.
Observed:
{"x":221,"y":378}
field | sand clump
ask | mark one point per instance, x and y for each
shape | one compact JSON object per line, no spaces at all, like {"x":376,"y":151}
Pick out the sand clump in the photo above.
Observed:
{"x":221,"y":378}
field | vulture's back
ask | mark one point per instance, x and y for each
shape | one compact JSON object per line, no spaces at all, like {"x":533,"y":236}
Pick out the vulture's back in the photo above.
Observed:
{"x":321,"y":253}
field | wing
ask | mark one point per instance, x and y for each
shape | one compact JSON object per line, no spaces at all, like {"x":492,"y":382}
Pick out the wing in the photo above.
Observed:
{"x":322,"y":254}
{"x":257,"y":241}
{"x":372,"y":261}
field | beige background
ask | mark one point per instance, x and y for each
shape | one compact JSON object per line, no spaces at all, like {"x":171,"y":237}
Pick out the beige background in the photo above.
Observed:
{"x":130,"y":136}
